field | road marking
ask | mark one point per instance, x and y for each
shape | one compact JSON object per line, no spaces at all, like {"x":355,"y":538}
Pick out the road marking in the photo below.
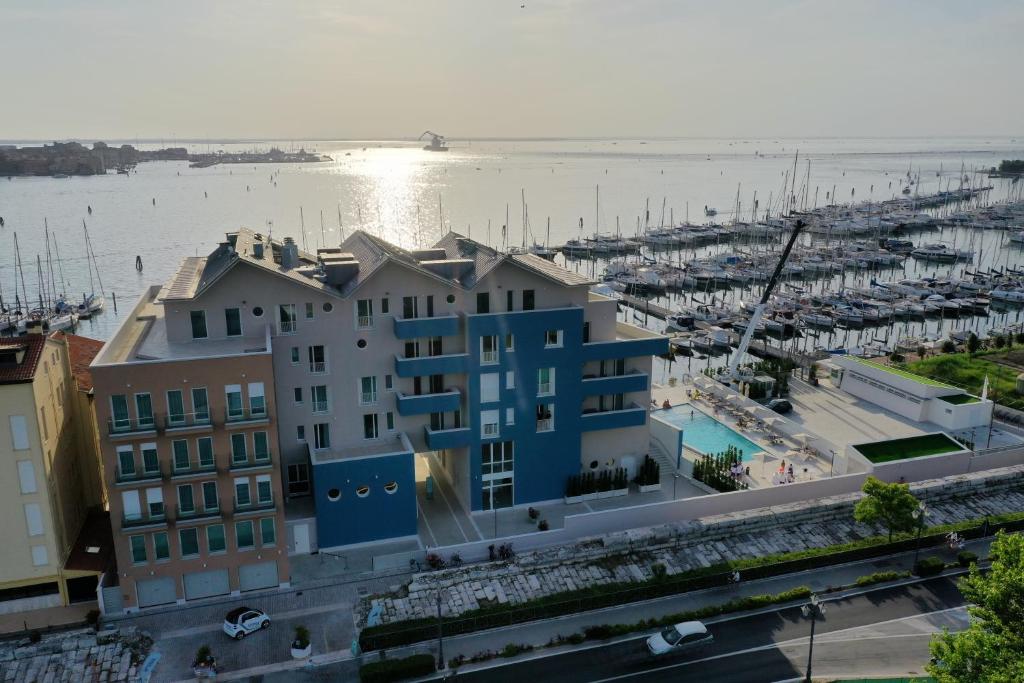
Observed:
{"x":195,"y":630}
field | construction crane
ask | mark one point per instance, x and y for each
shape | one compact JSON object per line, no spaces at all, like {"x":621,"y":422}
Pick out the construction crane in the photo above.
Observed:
{"x":437,"y":142}
{"x":748,"y":335}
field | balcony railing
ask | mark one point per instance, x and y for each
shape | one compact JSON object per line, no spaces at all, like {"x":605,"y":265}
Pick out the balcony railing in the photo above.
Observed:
{"x":139,"y":475}
{"x":260,"y":460}
{"x":318,"y":368}
{"x":195,"y":512}
{"x":367,"y":398}
{"x":194,"y":468}
{"x":138,"y":519}
{"x":544,"y":389}
{"x":131,"y":425}
{"x":253,"y":505}
{"x":546,"y":424}
{"x":364,"y":322}
{"x":186,"y":420}
{"x":418,"y":328}
{"x":320,"y":407}
{"x":488,"y":357}
{"x":245,"y":415}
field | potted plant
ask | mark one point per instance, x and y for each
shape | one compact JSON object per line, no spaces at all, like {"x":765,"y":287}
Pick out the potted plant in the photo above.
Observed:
{"x":301,"y":647}
{"x":205,"y":664}
{"x":589,"y":486}
{"x":604,"y":484}
{"x":542,"y":525}
{"x":649,"y":476}
{"x":620,"y":482}
{"x":574,"y":489}
{"x":534,"y":513}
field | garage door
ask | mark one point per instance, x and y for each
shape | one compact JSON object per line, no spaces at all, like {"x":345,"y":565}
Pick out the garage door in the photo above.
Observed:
{"x":253,"y":576}
{"x":206,"y":584}
{"x":156,"y":592}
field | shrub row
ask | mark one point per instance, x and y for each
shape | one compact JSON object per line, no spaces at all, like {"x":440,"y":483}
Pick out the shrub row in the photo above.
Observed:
{"x":388,"y":670}
{"x":929,"y":566}
{"x":880,"y":577}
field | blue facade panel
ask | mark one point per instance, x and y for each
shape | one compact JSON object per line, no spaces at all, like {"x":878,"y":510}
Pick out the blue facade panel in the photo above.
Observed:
{"x":620,"y":384}
{"x":543,"y":461}
{"x":614,"y":419}
{"x":417,"y":328}
{"x":624,"y":348}
{"x":448,"y":364}
{"x":448,"y":438}
{"x":425,"y":404}
{"x":379,"y":515}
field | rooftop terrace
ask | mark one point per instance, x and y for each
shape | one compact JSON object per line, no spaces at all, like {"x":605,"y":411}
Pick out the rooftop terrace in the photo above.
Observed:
{"x":903,"y":373}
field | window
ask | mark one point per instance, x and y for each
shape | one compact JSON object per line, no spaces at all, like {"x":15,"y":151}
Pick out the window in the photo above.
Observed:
{"x":27,"y":476}
{"x":552,"y":338}
{"x":189,"y":541}
{"x":309,"y":310}
{"x":370,"y":427}
{"x":321,"y":435}
{"x":138,"y":545}
{"x":200,"y":405}
{"x":179,"y":448}
{"x":211,"y":501}
{"x":297,"y":392}
{"x":264,"y":494}
{"x":367,"y":390}
{"x":510,"y":379}
{"x":545,"y":417}
{"x":545,"y":381}
{"x":155,"y":502}
{"x":434,"y":346}
{"x":260,"y":447}
{"x":150,"y":458}
{"x":42,"y":421}
{"x":510,"y":416}
{"x":488,"y":349}
{"x":268,"y":530}
{"x":295,"y":355}
{"x":317,"y":359}
{"x":175,"y":407}
{"x":483,"y":302}
{"x":510,"y":296}
{"x":286,"y":318}
{"x":198,"y":319}
{"x":233,"y":398}
{"x":243,"y":534}
{"x":242,"y":497}
{"x":412,"y":348}
{"x":510,"y":342}
{"x":528,"y":302}
{"x":239,"y":453}
{"x":410,"y":307}
{"x":496,"y":469}
{"x":161,"y":548}
{"x":430,"y":305}
{"x":298,"y":478}
{"x":389,"y":420}
{"x":186,"y":499}
{"x":126,"y":461}
{"x":233,"y":322}
{"x":450,"y":298}
{"x":364,"y":314}
{"x":496,"y":458}
{"x":328,"y":307}
{"x":385,"y":305}
{"x":489,"y":387}
{"x":39,"y":556}
{"x":215,"y":542}
{"x":257,"y":311}
{"x":389,"y":383}
{"x":257,"y":400}
{"x":586,"y":333}
{"x":131,"y":505}
{"x":300,"y":433}
{"x":363,"y":491}
{"x":391,"y":487}
{"x":489,"y":424}
{"x":119,"y":419}
{"x":204,"y":446}
{"x":34,"y":519}
{"x":144,"y":410}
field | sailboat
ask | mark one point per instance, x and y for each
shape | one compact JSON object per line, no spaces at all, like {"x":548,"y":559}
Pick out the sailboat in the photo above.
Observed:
{"x":92,"y":302}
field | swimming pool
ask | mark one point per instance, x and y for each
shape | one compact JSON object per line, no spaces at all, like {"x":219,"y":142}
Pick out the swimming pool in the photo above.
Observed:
{"x":704,"y":433}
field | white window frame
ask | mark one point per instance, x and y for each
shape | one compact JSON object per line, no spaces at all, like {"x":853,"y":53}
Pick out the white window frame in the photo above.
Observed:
{"x":510,"y":379}
{"x":234,"y":389}
{"x":155,"y":495}
{"x":489,"y":357}
{"x":490,"y":424}
{"x":317,"y":445}
{"x":376,"y":427}
{"x":40,"y":558}
{"x":368,"y":398}
{"x":290,"y":326}
{"x":547,"y":424}
{"x":546,"y":388}
{"x":317,"y":367}
{"x":363,"y":322}
{"x":320,"y":407}
{"x":19,"y":432}
{"x":558,"y":339}
{"x":510,"y":416}
{"x":257,"y":390}
{"x":34,"y":519}
{"x":264,"y":479}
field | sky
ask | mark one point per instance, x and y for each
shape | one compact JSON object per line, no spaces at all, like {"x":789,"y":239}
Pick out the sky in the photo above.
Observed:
{"x":380,"y":69}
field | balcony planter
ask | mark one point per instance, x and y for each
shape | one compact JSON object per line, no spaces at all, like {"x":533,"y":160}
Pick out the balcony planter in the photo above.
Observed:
{"x":615,"y":493}
{"x":647,"y":488}
{"x":589,"y":496}
{"x":301,"y":647}
{"x":570,"y":500}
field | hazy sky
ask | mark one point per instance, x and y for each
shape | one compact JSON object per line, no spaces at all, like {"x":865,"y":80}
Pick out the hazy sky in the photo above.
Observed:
{"x":365,"y":69}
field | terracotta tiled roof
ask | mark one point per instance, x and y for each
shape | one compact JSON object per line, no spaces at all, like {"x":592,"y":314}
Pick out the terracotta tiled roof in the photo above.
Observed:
{"x":82,"y":351}
{"x":15,"y":373}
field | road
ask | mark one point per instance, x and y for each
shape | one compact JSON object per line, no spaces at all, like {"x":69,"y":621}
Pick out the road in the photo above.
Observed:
{"x":884,"y":631}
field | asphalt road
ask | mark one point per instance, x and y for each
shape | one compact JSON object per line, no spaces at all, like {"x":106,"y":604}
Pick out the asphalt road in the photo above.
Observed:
{"x":757,"y":648}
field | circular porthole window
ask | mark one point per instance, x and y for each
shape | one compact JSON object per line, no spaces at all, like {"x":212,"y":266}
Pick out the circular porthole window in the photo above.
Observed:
{"x":391,"y":487}
{"x":328,"y":307}
{"x":363,"y":491}
{"x":257,"y":311}
{"x":333,"y":495}
{"x":450,"y":298}
{"x":593,"y":464}
{"x":361,"y":343}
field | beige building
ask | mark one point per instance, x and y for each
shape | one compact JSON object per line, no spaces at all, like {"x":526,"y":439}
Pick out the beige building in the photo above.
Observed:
{"x":54,"y":549}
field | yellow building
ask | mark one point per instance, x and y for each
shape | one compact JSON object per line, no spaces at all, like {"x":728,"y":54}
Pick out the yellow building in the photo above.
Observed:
{"x":54,"y":534}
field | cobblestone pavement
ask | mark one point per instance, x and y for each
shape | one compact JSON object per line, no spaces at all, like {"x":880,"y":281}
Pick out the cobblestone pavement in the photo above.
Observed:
{"x":629,"y":556}
{"x":79,"y":656}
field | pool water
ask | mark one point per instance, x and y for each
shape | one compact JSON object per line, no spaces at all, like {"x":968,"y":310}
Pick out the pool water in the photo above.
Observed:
{"x":704,"y":433}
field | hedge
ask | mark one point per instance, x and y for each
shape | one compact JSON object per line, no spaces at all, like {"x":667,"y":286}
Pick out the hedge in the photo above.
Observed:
{"x":880,"y":577}
{"x":929,"y":566}
{"x":388,"y":670}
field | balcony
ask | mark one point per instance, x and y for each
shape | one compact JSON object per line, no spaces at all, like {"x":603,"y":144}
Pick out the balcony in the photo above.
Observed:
{"x":186,"y":422}
{"x":447,"y":364}
{"x":418,"y":328}
{"x":320,"y":407}
{"x":616,"y":384}
{"x":364,"y":322}
{"x":488,"y":357}
{"x":139,"y":519}
{"x":253,"y":506}
{"x":654,"y":345}
{"x":139,"y":477}
{"x":318,"y":368}
{"x":187,"y":514}
{"x":546,"y":424}
{"x":128,"y":427}
{"x":194,"y":469}
{"x":633,"y":416}
{"x":447,"y":401}
{"x":256,"y":462}
{"x":244,"y":417}
{"x":447,"y":438}
{"x":366,"y":398}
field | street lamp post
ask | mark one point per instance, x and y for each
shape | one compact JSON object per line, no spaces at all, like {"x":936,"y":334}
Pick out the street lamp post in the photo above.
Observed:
{"x":919,"y":514}
{"x":832,"y":465}
{"x":814,"y":609}
{"x":440,"y":636}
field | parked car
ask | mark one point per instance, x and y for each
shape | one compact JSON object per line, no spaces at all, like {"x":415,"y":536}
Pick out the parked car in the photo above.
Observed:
{"x":779,"y":405}
{"x":689,"y":635}
{"x":242,"y":621}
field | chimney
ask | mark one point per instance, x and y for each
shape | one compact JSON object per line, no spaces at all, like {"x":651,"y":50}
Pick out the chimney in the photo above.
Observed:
{"x":339,"y":269}
{"x":257,"y":249}
{"x":289,"y":254}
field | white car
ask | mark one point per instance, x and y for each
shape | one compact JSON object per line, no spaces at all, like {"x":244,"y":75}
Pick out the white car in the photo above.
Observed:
{"x":242,"y":621}
{"x":688,"y":635}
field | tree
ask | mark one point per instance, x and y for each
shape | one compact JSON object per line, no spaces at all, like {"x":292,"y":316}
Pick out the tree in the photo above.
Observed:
{"x":973,"y":343}
{"x":890,"y":504}
{"x":922,"y":351}
{"x":992,"y":647}
{"x":1020,"y":337}
{"x":948,"y":346}
{"x":999,"y":341}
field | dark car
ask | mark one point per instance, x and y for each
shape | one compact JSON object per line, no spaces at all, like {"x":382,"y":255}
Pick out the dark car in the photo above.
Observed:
{"x":779,"y":405}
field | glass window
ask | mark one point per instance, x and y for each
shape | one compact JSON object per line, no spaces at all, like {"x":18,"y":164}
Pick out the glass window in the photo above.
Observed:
{"x":200,"y":405}
{"x":317,"y":359}
{"x":233,"y":397}
{"x":155,"y":502}
{"x":286,"y":318}
{"x":528,"y":302}
{"x":321,"y":435}
{"x":318,"y":395}
{"x":298,"y":395}
{"x":138,"y":544}
{"x":180,"y":450}
{"x":309,"y":310}
{"x":126,"y":460}
{"x":161,"y":548}
{"x":510,"y":379}
{"x":144,"y":410}
{"x":243,"y":534}
{"x":510,"y":416}
{"x":215,"y":538}
{"x":488,"y":349}
{"x":186,"y":502}
{"x":367,"y":390}
{"x":489,"y":424}
{"x":545,"y":381}
{"x":198,"y":319}
{"x":189,"y":540}
{"x":410,"y":307}
{"x":385,"y":305}
{"x":545,"y":417}
{"x":483,"y":302}
{"x":260,"y":446}
{"x":586,"y":333}
{"x":510,"y":342}
{"x":389,"y":383}
{"x":510,"y":296}
{"x":264,"y":494}
{"x":257,"y":401}
{"x":268,"y":531}
{"x":390,"y":420}
{"x":233,"y":322}
{"x":553,"y":338}
{"x":175,"y":407}
{"x":239,"y":454}
{"x":150,"y":459}
{"x":298,"y":478}
{"x":364,"y":313}
{"x":242,"y":492}
{"x":300,"y":432}
{"x":119,"y":410}
{"x":204,"y":445}
{"x":370,"y":427}
{"x":295,"y":354}
{"x":210,"y":500}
